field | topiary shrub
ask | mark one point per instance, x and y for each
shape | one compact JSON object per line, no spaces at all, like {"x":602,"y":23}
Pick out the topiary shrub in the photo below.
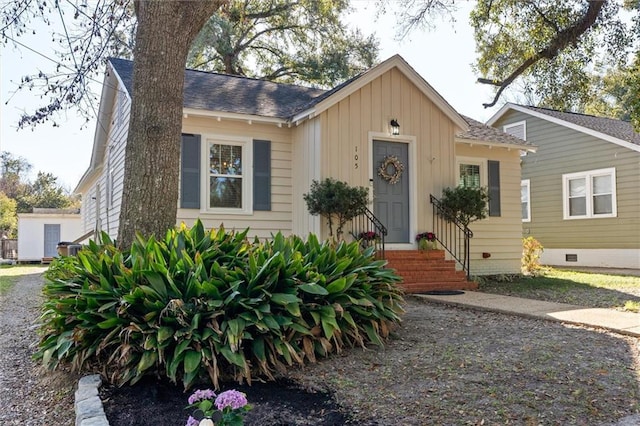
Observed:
{"x":199,"y":304}
{"x":465,"y":204}
{"x":336,"y":200}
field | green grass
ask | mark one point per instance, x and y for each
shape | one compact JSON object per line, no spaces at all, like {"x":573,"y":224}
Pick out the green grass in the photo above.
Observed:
{"x":9,"y":274}
{"x":579,"y":288}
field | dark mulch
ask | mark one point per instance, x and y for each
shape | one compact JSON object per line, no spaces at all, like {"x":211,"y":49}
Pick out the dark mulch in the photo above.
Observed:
{"x":150,"y":402}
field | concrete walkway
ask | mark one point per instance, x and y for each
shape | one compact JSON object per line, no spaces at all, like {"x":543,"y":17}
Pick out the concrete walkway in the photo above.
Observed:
{"x":617,"y":321}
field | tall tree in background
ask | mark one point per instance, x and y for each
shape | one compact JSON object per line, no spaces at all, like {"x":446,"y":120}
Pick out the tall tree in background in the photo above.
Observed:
{"x":552,"y":47}
{"x":303,"y":41}
{"x":8,"y":217}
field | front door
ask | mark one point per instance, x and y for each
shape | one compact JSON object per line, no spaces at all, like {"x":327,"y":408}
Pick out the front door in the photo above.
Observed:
{"x":391,"y":189}
{"x":51,"y":239}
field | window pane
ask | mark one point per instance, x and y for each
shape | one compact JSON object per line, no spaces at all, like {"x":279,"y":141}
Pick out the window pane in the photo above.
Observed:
{"x":470,"y":175}
{"x":578,"y":206}
{"x":225,"y":192}
{"x":525,"y":210}
{"x":602,"y":184}
{"x":602,"y":204}
{"x":225,"y":159}
{"x":577,"y":187}
{"x":524,"y":193}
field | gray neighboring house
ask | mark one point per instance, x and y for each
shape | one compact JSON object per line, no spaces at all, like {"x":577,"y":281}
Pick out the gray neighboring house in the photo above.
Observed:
{"x":580,"y":191}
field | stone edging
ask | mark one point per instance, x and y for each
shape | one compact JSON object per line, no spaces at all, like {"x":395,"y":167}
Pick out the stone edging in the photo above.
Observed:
{"x":88,"y":406}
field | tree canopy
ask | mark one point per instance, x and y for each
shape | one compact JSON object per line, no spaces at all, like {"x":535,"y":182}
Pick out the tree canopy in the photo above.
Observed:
{"x":564,"y":53}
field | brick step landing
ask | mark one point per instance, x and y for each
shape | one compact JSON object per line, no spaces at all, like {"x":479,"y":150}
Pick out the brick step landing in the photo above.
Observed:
{"x":423,"y":271}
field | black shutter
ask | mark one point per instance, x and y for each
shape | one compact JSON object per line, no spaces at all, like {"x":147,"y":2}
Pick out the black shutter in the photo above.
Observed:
{"x":190,"y":172}
{"x":261,"y":175}
{"x":494,"y":188}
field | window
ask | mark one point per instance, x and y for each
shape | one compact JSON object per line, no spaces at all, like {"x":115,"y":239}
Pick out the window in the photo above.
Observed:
{"x":519,"y":129}
{"x":225,"y":176}
{"x":525,"y":197}
{"x":589,"y":194}
{"x":472,"y":172}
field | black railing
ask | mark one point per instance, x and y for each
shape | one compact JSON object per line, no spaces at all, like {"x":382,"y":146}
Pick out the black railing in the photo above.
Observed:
{"x":452,"y":235}
{"x":369,"y":231}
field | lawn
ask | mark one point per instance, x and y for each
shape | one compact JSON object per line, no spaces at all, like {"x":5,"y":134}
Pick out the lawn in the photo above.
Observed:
{"x":579,"y":288}
{"x":9,"y":274}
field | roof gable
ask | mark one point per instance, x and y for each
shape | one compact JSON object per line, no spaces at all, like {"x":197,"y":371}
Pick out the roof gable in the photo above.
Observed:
{"x":349,"y":87}
{"x":609,"y":129}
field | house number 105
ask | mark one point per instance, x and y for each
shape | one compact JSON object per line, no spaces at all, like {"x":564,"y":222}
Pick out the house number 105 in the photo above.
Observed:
{"x":355,"y":157}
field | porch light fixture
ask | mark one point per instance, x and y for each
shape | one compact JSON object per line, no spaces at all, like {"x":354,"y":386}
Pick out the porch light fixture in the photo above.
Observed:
{"x":395,"y":127}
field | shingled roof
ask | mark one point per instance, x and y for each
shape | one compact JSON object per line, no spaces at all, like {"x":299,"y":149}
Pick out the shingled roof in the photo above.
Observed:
{"x":481,"y":132}
{"x":609,"y":126}
{"x":227,"y":93}
{"x":242,"y":95}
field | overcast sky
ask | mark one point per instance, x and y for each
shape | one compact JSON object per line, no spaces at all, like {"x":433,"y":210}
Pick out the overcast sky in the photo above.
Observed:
{"x":443,"y":56}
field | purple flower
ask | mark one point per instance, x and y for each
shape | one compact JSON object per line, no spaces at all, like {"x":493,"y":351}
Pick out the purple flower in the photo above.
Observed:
{"x":231,"y":398}
{"x":201,"y":395}
{"x":192,"y":422}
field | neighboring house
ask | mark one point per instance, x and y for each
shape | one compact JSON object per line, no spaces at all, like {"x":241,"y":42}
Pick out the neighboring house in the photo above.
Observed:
{"x":251,"y":149}
{"x":40,"y":232}
{"x":581,"y":189}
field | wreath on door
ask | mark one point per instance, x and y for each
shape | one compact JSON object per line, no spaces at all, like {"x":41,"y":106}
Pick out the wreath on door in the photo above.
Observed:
{"x":391,"y":169}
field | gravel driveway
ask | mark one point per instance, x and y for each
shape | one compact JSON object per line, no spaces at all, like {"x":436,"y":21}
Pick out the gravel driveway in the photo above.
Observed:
{"x":444,"y":366}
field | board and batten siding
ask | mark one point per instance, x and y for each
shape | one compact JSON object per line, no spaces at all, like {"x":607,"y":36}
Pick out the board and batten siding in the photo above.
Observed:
{"x":305,"y":168}
{"x":347,"y":128}
{"x":561,"y":151}
{"x":499,"y":236}
{"x":261,"y":223}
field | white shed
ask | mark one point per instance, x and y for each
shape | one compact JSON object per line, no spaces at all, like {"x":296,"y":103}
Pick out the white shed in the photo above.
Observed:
{"x":40,"y":232}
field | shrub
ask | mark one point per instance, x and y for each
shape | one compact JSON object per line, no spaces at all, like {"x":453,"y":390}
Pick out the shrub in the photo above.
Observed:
{"x":465,"y":204}
{"x":334,"y":199}
{"x":197,"y":304}
{"x":531,"y":251}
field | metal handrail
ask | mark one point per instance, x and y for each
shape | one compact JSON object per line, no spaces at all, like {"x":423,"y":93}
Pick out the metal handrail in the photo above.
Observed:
{"x":452,"y":234}
{"x":366,"y":223}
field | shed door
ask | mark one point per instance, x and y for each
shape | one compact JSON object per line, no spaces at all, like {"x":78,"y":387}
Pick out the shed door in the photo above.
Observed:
{"x":51,"y":239}
{"x":391,"y":200}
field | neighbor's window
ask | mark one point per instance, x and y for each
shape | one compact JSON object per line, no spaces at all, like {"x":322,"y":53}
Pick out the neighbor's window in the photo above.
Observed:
{"x":518,"y":129}
{"x":590,"y":194}
{"x":525,"y":197}
{"x":226,"y":178}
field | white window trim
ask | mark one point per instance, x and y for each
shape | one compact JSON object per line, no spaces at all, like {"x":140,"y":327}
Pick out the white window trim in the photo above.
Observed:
{"x":474,"y":161}
{"x":522,"y":123}
{"x":247,"y":173}
{"x":588,"y":175}
{"x":527,"y":183}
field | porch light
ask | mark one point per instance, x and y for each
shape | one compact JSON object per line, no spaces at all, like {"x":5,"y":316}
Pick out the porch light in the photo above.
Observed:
{"x":395,"y":127}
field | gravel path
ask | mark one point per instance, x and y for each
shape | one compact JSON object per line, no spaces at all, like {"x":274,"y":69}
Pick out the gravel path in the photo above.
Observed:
{"x":444,"y":366}
{"x":29,"y":395}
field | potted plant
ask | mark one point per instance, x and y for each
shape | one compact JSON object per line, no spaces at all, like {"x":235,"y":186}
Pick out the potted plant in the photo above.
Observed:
{"x":427,"y":241}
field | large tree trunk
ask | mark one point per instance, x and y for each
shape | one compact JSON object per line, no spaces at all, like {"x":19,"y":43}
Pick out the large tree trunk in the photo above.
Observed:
{"x":164,"y":34}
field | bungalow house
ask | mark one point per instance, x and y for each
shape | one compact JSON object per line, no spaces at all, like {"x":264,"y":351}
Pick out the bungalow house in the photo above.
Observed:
{"x":251,"y":149}
{"x":581,"y":188}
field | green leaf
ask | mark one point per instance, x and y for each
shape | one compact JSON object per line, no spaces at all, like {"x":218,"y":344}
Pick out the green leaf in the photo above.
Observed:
{"x":284,"y":298}
{"x":164,"y":333}
{"x":192,"y":361}
{"x":147,"y":360}
{"x":313,"y":288}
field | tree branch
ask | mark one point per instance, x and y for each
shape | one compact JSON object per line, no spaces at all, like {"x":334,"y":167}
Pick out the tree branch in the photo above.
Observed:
{"x":562,"y":39}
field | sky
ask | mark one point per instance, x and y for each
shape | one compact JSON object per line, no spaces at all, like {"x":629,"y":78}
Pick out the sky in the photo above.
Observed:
{"x":442,"y":56}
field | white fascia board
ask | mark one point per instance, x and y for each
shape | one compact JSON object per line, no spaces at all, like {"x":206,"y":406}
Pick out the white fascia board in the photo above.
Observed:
{"x":564,"y":123}
{"x":528,"y":148}
{"x":233,"y":116}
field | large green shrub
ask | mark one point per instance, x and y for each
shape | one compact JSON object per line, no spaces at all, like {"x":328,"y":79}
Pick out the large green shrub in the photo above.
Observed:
{"x":336,"y":200}
{"x":198,"y":304}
